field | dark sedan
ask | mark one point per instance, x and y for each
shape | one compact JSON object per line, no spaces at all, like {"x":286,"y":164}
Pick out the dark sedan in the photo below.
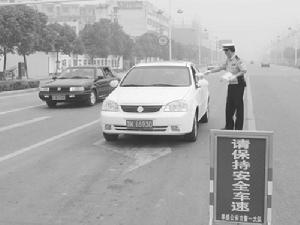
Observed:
{"x":78,"y":84}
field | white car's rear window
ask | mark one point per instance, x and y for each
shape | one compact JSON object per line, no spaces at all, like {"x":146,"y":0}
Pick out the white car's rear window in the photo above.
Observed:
{"x":157,"y":76}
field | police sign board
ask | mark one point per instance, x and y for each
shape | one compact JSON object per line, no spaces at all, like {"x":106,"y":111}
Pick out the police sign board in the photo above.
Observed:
{"x":240,"y":176}
{"x":163,"y":40}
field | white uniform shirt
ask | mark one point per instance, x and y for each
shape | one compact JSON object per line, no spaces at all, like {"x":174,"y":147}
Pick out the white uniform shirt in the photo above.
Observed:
{"x":234,"y":65}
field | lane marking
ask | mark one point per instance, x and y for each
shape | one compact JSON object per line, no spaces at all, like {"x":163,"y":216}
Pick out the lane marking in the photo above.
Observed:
{"x":141,"y":155}
{"x":144,"y":156}
{"x":100,"y":142}
{"x":250,"y":115}
{"x":20,"y":109}
{"x":16,"y":95}
{"x":32,"y":147}
{"x":23,"y":123}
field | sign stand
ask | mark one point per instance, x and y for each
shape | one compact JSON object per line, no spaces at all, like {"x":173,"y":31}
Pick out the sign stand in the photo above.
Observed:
{"x":240,"y":177}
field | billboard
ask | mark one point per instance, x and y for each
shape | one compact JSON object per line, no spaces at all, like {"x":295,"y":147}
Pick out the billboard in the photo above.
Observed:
{"x":241,"y":176}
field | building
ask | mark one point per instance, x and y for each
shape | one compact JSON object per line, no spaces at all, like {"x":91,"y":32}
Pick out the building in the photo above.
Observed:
{"x":75,"y":14}
{"x":136,"y":17}
{"x":186,"y":34}
{"x":139,"y":17}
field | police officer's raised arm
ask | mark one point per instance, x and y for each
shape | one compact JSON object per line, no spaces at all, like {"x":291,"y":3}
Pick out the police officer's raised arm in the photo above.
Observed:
{"x":217,"y":69}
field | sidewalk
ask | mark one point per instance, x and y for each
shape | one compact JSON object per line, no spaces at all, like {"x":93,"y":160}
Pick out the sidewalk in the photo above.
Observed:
{"x":43,"y":80}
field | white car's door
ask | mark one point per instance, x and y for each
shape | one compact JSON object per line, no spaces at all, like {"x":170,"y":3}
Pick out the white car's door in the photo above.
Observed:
{"x":198,"y":95}
{"x":203,"y":88}
{"x":202,"y":93}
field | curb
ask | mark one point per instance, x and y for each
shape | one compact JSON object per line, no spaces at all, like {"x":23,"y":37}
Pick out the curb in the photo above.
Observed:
{"x":7,"y":93}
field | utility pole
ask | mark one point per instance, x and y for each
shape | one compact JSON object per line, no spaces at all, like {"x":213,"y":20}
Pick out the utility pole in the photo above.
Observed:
{"x":170,"y":30}
{"x":200,"y":43}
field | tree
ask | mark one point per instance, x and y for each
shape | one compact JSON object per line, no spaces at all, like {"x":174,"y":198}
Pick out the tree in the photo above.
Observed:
{"x":96,"y":40}
{"x":106,"y":38}
{"x":120,"y":42}
{"x":147,"y":46}
{"x":61,"y":39}
{"x":78,"y":47}
{"x":31,"y":23}
{"x":10,"y":31}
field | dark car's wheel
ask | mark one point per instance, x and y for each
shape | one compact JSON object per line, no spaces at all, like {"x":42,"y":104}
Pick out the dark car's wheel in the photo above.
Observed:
{"x":51,"y":104}
{"x":204,"y":118}
{"x":192,"y":136}
{"x":110,"y":137}
{"x":92,"y":98}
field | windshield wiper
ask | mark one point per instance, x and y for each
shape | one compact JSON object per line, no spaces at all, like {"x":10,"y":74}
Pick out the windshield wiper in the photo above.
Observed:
{"x":62,"y":78}
{"x":79,"y":77}
{"x":133,"y":85}
{"x":164,"y":85}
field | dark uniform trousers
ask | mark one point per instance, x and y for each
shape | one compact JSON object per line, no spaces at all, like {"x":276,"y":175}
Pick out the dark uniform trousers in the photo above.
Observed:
{"x":235,"y":105}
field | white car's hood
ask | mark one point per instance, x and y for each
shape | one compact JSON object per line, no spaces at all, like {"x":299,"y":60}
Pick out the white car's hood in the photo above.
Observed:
{"x":148,"y":95}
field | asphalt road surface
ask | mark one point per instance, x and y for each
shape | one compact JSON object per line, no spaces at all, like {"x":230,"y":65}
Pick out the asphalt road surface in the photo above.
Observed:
{"x":56,"y":168}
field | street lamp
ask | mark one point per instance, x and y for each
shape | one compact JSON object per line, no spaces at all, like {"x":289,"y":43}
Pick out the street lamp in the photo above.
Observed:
{"x":179,"y":11}
{"x":170,"y":31}
{"x":280,"y":61}
{"x":200,"y":43}
{"x":295,"y":46}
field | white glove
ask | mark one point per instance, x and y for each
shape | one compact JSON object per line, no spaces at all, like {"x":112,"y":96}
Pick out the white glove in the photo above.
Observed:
{"x":228,"y":76}
{"x":207,"y":72}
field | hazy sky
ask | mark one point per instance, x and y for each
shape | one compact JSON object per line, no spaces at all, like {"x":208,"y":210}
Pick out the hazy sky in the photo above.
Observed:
{"x":251,"y":24}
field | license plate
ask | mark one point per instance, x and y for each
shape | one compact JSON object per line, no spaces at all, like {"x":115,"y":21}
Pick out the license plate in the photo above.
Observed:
{"x":139,"y":123}
{"x":58,"y":97}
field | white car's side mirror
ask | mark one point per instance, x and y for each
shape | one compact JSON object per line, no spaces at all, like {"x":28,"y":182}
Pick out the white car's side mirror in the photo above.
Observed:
{"x":202,"y":83}
{"x":199,"y":76}
{"x":114,"y":83}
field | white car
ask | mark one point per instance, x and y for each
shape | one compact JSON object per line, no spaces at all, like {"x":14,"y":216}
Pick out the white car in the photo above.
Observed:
{"x":161,"y":98}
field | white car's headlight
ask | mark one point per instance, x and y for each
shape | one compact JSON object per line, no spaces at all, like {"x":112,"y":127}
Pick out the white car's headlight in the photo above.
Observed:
{"x":76,"y":88}
{"x":44,"y":89}
{"x":109,"y":105}
{"x":176,"y":106}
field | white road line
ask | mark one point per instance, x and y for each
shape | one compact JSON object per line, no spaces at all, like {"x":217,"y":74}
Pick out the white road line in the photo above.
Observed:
{"x":250,"y":115}
{"x":16,"y":95}
{"x":23,"y":123}
{"x":100,"y":142}
{"x":32,"y":147}
{"x":144,"y":156}
{"x":141,"y":155}
{"x":20,"y":109}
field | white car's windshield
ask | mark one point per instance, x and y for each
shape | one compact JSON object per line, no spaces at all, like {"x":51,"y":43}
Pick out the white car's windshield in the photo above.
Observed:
{"x":157,"y":76}
{"x":78,"y":73}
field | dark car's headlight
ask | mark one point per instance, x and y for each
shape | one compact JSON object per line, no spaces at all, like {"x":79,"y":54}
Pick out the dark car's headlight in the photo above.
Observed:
{"x":44,"y":89}
{"x":76,"y":88}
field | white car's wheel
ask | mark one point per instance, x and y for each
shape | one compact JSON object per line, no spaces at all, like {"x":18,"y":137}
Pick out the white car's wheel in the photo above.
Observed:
{"x":110,"y":137}
{"x":204,"y":118}
{"x":192,"y":136}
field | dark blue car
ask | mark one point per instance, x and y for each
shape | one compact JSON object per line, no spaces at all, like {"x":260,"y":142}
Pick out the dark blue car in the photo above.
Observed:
{"x":78,"y":84}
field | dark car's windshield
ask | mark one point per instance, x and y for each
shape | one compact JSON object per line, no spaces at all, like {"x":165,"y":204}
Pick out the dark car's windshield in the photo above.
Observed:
{"x":164,"y":76}
{"x":78,"y":73}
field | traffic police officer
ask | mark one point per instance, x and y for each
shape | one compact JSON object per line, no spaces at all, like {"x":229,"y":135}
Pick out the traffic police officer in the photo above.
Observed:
{"x":236,"y":86}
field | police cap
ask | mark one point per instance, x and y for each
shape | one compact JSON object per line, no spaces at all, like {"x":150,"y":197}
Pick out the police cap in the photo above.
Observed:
{"x":228,"y":46}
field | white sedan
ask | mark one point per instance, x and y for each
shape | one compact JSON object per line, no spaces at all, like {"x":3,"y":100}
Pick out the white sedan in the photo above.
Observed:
{"x":162,"y":98}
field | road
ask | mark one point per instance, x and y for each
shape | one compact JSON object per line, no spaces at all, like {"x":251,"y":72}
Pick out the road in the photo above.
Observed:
{"x":56,"y":168}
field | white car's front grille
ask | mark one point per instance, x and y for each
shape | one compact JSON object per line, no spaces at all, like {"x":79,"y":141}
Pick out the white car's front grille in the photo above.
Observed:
{"x":143,"y":108}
